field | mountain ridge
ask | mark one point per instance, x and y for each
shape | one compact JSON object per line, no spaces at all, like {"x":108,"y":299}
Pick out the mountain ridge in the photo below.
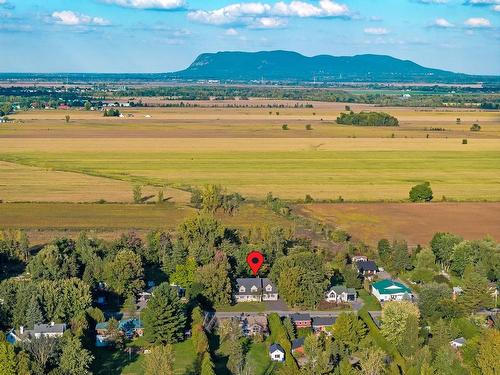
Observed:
{"x":280,"y":65}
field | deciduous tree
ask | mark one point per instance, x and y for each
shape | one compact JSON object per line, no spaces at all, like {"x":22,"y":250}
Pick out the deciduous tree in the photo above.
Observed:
{"x":160,"y":361}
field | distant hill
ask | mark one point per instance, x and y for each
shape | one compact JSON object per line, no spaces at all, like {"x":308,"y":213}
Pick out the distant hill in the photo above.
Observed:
{"x":285,"y":65}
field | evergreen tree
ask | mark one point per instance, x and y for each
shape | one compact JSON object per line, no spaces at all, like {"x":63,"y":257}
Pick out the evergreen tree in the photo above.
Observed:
{"x":75,"y":360}
{"x":7,"y":358}
{"x":476,"y":293}
{"x":401,"y":258}
{"x":290,"y":328}
{"x":207,"y":365}
{"x":23,"y":363}
{"x":384,"y":251}
{"x":33,"y":313}
{"x":164,"y":317}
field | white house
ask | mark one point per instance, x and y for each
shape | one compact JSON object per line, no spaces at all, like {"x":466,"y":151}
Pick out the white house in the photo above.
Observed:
{"x":269,"y":291}
{"x":255,"y":290}
{"x":458,"y":343}
{"x":339,"y":293}
{"x":276,"y":353}
{"x":390,"y":290}
{"x":46,"y":330}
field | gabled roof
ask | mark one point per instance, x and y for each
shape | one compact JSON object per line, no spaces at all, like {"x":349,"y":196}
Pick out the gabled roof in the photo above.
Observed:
{"x":366,"y":265}
{"x":300,"y":317}
{"x":297,"y":343}
{"x":390,"y":287}
{"x":248,"y":283}
{"x":323,"y":320}
{"x":275,"y":347}
{"x":265,"y":283}
{"x":339,"y":289}
{"x":49,"y":328}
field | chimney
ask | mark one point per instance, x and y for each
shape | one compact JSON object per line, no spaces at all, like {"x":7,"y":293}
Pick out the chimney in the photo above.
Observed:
{"x":21,"y":330}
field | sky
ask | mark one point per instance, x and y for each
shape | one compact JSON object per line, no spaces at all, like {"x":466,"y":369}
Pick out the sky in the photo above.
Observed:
{"x":152,"y":36}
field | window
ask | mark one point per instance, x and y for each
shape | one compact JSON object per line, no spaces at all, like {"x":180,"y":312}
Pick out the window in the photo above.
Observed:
{"x":242,"y":289}
{"x":269,"y":288}
{"x":254,"y":288}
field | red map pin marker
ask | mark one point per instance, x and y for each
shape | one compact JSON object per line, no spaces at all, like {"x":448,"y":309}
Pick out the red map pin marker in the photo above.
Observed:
{"x":255,"y":260}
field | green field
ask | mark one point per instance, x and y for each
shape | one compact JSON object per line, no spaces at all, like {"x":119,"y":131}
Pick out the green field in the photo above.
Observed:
{"x":324,"y":174}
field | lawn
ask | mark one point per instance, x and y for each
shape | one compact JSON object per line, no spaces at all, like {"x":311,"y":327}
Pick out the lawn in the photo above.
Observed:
{"x":371,"y":303}
{"x":244,"y":307}
{"x":258,"y":358}
{"x":113,"y":362}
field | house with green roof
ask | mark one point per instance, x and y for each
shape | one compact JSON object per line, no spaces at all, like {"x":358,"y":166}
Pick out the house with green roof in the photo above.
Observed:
{"x":390,"y":290}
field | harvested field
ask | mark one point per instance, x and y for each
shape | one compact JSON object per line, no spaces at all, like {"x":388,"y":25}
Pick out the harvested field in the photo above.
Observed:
{"x":356,"y":169}
{"x":413,"y":222}
{"x":45,"y":221}
{"x":19,"y":183}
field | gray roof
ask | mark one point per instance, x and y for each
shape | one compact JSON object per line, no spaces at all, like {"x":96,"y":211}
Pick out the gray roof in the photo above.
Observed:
{"x":323,"y":320}
{"x":297,"y":343}
{"x":339,"y":289}
{"x":300,"y":317}
{"x":275,"y":347}
{"x":366,"y":265}
{"x":49,"y":328}
{"x":266,"y":282}
{"x":248,"y":283}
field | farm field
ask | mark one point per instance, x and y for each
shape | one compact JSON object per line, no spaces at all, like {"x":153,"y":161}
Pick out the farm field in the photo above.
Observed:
{"x":43,"y":159}
{"x":248,"y":123}
{"x":356,"y":169}
{"x":46,"y":221}
{"x":415,"y":223}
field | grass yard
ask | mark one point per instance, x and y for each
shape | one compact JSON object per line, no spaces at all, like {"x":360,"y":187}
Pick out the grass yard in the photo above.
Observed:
{"x":113,"y":362}
{"x":258,"y":357}
{"x":371,"y":303}
{"x":244,"y":307}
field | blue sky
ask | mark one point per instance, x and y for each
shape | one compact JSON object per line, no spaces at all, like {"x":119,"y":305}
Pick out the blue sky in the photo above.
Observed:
{"x":166,"y":35}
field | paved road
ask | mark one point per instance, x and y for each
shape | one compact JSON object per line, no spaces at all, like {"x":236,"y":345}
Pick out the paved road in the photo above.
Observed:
{"x":225,"y":314}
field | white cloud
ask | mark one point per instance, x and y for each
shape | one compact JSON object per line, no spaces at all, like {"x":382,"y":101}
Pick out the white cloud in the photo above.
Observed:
{"x":376,"y":31}
{"x":231,"y":32}
{"x":268,"y":15}
{"x":70,"y":18}
{"x":477,"y":22}
{"x":482,"y":2}
{"x":433,"y":1}
{"x":149,"y":4}
{"x":443,"y":22}
{"x":496,"y":8}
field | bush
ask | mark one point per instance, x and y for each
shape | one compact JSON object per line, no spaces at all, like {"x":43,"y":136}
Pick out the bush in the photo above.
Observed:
{"x":421,"y":193}
{"x":464,"y":141}
{"x":308,"y":127}
{"x":475,"y":127}
{"x":284,"y":126}
{"x":340,"y":235}
{"x":308,"y":199}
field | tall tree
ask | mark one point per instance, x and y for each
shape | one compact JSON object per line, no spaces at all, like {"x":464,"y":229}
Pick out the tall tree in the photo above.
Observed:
{"x":211,"y":198}
{"x":124,"y":274}
{"x":398,"y":321}
{"x":442,"y":245}
{"x":401,"y":258}
{"x":476,"y":292}
{"x":385,"y":251}
{"x":372,"y":362}
{"x":207,"y":365}
{"x":489,"y":353}
{"x":431,"y":298}
{"x":215,"y":280}
{"x":75,"y":360}
{"x":7,"y":358}
{"x":349,"y":330}
{"x":160,"y":361}
{"x":42,"y":349}
{"x":184,"y":274}
{"x":33,"y":313}
{"x":164,"y":317}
